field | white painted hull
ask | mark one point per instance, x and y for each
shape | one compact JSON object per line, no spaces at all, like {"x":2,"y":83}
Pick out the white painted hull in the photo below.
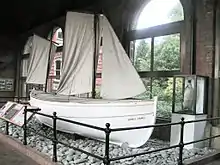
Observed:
{"x":120,"y":114}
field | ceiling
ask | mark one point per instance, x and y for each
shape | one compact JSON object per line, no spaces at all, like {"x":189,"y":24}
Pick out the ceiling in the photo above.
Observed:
{"x":19,"y":16}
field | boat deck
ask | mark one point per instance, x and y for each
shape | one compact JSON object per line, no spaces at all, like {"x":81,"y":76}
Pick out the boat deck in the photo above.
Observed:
{"x":62,"y":98}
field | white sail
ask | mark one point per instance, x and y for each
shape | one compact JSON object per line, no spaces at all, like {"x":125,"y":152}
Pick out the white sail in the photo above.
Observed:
{"x":38,"y":64}
{"x":76,"y":77}
{"x":119,"y":78}
{"x":28,"y":45}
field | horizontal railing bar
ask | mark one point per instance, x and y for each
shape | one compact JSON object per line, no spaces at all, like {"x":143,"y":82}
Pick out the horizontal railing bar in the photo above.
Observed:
{"x":23,"y":101}
{"x":33,"y":109}
{"x":81,"y":124}
{"x":42,"y":114}
{"x":196,"y":141}
{"x":196,"y":121}
{"x":142,"y":127}
{"x":85,"y":152}
{"x":143,"y":153}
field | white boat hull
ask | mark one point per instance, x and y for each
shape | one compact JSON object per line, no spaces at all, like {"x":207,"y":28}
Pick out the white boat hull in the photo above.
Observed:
{"x":120,"y":114}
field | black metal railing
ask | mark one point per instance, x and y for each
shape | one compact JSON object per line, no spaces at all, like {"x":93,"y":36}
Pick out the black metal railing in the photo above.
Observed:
{"x":108,"y":130}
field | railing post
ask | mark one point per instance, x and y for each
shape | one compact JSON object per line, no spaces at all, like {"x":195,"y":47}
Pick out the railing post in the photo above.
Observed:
{"x":107,"y":135}
{"x":181,"y":144}
{"x":6,"y":127}
{"x":25,"y":126}
{"x":55,"y":137}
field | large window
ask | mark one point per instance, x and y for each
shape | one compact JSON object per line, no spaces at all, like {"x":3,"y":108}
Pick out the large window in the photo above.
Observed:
{"x":158,"y":54}
{"x":142,"y":55}
{"x":166,"y":53}
{"x":58,"y":68}
{"x":55,"y":72}
{"x":155,"y":51}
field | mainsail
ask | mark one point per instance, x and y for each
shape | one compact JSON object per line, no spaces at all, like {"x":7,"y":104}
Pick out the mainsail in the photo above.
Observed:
{"x":76,"y":77}
{"x":119,"y":78}
{"x":28,"y":45}
{"x":38,"y":63}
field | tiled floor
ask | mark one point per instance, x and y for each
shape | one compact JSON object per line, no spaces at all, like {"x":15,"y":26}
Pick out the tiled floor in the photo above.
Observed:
{"x":9,"y":156}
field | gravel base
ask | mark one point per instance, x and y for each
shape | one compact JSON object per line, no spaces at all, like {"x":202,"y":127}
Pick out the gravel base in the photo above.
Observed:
{"x":68,"y":156}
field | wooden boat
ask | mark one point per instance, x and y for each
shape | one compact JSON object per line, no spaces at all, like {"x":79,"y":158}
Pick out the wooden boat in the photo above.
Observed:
{"x":120,"y":84}
{"x":120,"y":114}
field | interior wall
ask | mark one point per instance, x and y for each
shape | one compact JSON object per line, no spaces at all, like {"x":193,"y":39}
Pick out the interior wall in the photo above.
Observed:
{"x":9,"y":52}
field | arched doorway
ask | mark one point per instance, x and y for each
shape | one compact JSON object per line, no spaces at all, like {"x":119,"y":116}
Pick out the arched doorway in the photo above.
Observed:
{"x":57,"y":36}
{"x":56,"y":60}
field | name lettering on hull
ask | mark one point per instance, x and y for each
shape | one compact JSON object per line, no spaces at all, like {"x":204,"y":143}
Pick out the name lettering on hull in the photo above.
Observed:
{"x":136,"y":118}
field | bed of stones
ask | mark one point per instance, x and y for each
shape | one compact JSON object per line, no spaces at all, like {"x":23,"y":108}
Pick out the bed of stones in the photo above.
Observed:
{"x":68,"y":156}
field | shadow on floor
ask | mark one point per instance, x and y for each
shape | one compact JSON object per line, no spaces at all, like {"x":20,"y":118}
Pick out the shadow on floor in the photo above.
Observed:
{"x":10,"y":156}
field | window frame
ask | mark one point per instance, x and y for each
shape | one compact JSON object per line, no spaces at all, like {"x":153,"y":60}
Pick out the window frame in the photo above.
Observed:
{"x":152,"y":32}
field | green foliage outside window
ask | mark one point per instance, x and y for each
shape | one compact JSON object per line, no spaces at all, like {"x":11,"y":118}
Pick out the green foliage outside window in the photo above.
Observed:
{"x":166,"y":57}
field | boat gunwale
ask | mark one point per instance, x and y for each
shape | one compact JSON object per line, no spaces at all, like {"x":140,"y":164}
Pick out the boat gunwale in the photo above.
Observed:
{"x":89,"y":102}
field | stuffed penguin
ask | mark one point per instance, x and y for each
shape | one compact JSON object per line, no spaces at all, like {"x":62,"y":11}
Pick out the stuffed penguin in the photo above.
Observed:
{"x":188,"y":96}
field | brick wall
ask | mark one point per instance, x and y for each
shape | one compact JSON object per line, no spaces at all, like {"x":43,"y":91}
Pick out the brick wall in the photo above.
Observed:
{"x":204,"y":38}
{"x":205,"y":35}
{"x":204,"y":48}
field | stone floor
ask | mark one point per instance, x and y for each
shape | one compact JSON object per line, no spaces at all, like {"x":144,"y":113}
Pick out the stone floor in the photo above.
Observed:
{"x":9,"y":156}
{"x":215,"y":163}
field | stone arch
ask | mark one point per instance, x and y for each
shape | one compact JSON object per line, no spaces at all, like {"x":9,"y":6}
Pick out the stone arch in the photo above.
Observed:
{"x":57,"y":36}
{"x":145,"y":4}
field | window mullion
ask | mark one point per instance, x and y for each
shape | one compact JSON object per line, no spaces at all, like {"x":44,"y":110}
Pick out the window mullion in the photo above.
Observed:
{"x":152,"y":67}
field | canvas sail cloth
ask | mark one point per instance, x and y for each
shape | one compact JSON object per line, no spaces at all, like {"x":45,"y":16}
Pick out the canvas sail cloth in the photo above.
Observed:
{"x":77,"y":75}
{"x":28,"y":45}
{"x":38,"y":63}
{"x":120,"y":79}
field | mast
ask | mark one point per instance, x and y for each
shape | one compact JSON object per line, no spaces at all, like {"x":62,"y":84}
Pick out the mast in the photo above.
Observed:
{"x":96,"y":52}
{"x":48,"y":65}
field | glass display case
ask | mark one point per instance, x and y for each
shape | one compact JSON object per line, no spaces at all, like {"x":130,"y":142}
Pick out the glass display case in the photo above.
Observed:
{"x":190,"y":94}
